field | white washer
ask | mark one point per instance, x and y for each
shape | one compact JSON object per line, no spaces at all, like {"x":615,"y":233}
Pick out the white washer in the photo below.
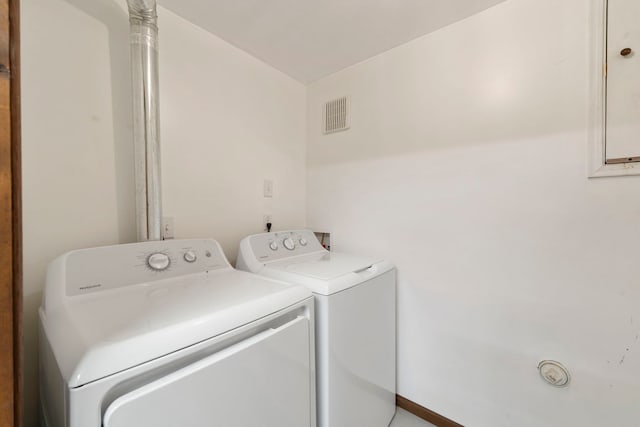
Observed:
{"x":355,"y":323}
{"x":169,"y":334}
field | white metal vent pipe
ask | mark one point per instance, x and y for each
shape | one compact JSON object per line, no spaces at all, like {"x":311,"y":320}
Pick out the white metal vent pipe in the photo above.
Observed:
{"x":143,"y":19}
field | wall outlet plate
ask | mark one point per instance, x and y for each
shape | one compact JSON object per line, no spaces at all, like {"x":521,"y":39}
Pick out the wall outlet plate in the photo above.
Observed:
{"x":265,"y":219}
{"x":168,"y":232}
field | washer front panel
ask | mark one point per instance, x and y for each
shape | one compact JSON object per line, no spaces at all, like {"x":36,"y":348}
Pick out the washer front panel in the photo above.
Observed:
{"x":356,"y":348}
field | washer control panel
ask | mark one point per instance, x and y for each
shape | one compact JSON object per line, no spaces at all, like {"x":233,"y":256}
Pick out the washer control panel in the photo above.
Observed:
{"x":283,"y":244}
{"x":97,"y":269}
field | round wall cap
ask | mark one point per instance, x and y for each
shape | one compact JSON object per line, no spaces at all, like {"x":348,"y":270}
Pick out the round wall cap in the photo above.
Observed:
{"x":554,"y":373}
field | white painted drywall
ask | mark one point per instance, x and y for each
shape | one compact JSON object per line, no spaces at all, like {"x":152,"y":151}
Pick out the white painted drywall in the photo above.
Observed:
{"x":77,"y":146}
{"x":466,"y":166}
{"x":228,"y":121}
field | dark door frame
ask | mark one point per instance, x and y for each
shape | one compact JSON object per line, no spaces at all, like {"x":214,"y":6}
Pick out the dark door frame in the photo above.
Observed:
{"x":10,"y":218}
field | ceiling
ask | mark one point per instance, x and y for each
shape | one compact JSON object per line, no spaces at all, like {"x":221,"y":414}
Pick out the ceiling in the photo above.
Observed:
{"x":310,"y":39}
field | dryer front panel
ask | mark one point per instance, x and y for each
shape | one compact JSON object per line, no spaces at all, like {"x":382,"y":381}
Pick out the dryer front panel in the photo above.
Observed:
{"x":261,"y":381}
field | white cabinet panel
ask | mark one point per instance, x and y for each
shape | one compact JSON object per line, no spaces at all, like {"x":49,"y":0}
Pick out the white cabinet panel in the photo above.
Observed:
{"x":262,"y":381}
{"x":623,"y":80}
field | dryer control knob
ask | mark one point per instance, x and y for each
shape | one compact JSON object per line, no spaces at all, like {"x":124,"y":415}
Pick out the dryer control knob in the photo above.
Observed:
{"x":289,"y":243}
{"x":190,"y":256}
{"x":273,"y":246}
{"x":303,"y":241}
{"x":158,"y":261}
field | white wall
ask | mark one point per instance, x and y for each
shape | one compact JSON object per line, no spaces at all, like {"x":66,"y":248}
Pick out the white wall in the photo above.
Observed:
{"x":224,"y":115}
{"x":228,"y":122}
{"x":76,"y":142}
{"x":466,"y":166}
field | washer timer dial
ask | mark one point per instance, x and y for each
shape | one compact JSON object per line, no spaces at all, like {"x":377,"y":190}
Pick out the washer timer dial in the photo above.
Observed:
{"x":158,"y":261}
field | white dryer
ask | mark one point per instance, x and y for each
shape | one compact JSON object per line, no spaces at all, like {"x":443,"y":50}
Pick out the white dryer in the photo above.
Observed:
{"x":355,"y":322}
{"x":160,"y":334}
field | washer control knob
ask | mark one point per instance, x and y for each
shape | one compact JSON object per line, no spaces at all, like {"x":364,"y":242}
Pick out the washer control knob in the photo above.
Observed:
{"x":158,"y":261}
{"x":190,"y":256}
{"x":303,"y":241}
{"x":273,"y":246}
{"x":289,"y":243}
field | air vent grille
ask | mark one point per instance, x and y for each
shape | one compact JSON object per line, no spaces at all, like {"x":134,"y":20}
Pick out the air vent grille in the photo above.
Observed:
{"x":336,"y":115}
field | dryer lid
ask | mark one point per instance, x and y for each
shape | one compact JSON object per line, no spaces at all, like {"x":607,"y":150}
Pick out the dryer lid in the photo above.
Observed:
{"x":100,"y":334}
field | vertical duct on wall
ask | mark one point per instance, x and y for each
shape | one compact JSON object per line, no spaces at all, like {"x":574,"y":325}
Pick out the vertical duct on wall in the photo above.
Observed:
{"x":143,"y":20}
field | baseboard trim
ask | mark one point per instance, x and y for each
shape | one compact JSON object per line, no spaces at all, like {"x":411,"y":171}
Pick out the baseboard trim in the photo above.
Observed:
{"x":424,"y":413}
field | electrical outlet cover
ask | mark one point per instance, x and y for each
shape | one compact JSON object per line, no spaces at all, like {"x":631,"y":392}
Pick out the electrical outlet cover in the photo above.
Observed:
{"x":168,"y":231}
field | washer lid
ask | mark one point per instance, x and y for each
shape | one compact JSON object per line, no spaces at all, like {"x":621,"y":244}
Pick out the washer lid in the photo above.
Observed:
{"x":325,"y":266}
{"x":326,"y":273}
{"x":98,"y":334}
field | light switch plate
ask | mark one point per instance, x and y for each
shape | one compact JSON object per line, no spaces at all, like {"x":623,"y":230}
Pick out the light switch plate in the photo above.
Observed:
{"x":268,"y":188}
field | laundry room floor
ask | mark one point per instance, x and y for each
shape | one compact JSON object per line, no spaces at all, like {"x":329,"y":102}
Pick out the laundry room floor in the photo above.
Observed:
{"x":407,"y":419}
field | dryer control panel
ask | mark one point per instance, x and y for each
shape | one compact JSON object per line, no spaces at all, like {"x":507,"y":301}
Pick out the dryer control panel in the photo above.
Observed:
{"x":98,"y":269}
{"x":279,"y":245}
